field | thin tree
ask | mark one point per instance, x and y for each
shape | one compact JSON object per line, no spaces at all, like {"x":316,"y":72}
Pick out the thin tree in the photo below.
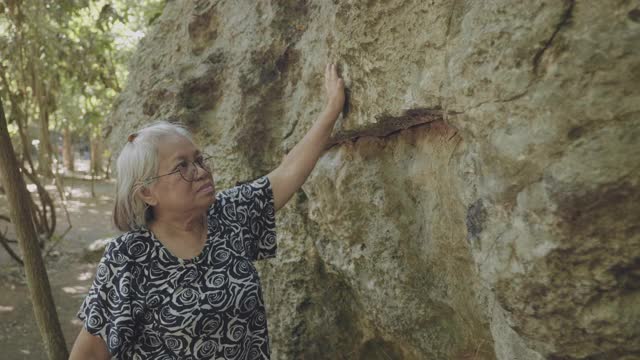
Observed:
{"x":43,"y":306}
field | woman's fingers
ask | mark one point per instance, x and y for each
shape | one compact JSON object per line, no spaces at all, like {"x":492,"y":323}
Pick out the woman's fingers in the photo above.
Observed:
{"x":331,"y":78}
{"x":334,"y":86}
{"x":331,"y":72}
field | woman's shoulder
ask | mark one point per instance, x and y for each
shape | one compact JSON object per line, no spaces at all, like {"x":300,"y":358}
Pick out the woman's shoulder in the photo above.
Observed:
{"x":243,"y":189}
{"x":242,"y":192}
{"x":131,"y":246}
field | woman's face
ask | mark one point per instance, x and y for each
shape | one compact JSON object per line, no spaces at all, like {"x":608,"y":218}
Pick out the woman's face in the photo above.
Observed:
{"x":172,"y":193}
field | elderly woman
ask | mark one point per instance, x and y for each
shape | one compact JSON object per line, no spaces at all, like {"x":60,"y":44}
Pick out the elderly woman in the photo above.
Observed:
{"x":179,"y":283}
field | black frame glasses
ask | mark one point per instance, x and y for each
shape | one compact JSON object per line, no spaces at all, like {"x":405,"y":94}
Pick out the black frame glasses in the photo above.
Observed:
{"x":203,"y":161}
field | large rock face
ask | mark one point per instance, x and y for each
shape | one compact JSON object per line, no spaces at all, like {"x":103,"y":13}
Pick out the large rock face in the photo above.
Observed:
{"x":480,"y":198}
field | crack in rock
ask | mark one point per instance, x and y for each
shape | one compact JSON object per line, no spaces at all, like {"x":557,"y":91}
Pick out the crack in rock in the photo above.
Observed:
{"x":388,"y":125}
{"x":293,"y":127}
{"x":564,"y":21}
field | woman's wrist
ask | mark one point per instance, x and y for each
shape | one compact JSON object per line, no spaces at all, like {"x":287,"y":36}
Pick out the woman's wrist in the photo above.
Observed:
{"x":329,"y":115}
{"x":332,"y":109}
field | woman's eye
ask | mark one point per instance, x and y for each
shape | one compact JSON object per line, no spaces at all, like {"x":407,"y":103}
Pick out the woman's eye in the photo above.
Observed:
{"x":181,"y":165}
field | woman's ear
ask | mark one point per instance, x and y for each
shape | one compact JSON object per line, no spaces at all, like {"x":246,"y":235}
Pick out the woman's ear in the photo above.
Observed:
{"x":147,"y":196}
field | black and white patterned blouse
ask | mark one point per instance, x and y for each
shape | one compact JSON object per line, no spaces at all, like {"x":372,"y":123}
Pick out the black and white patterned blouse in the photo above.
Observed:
{"x":148,"y":304}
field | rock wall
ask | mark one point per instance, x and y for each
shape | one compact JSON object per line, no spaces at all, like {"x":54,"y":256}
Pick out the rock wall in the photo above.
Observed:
{"x":480,"y":197}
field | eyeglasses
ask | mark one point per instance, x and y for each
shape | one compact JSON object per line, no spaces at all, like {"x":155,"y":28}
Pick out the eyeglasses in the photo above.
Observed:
{"x":188,"y":169}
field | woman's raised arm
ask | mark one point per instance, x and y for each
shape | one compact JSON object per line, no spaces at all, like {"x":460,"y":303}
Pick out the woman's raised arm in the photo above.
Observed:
{"x":296,"y":166}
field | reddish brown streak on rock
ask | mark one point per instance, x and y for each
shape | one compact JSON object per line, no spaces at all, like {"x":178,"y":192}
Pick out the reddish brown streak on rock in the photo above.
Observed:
{"x":389,"y":125}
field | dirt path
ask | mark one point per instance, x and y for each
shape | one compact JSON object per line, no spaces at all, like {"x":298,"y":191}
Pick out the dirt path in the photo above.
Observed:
{"x":70,"y":270}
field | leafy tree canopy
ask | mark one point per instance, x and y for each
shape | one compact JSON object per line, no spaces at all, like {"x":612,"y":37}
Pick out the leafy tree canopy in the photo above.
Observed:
{"x":68,"y":57}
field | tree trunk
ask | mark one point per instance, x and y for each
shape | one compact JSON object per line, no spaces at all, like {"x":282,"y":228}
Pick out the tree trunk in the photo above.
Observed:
{"x":67,"y":150}
{"x":107,"y":169}
{"x":44,"y":163}
{"x":37,"y":280}
{"x":20,"y":117}
{"x":96,"y":162}
{"x":96,"y":155}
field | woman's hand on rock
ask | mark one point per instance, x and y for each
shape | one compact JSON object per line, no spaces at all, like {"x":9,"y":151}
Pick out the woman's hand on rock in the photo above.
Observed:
{"x":334,"y":85}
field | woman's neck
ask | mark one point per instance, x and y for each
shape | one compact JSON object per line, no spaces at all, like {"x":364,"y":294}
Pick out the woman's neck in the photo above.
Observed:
{"x":185,"y":228}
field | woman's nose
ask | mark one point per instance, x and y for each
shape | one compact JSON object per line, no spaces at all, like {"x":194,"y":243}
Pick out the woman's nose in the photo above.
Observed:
{"x":199,"y":172}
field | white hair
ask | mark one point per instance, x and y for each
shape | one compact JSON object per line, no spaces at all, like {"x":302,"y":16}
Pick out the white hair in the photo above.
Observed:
{"x":137,"y":161}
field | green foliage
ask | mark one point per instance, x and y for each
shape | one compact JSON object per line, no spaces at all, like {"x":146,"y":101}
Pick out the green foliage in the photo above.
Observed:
{"x":69,"y":57}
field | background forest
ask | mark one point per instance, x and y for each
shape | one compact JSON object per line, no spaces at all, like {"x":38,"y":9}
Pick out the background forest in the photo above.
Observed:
{"x":62,"y":64}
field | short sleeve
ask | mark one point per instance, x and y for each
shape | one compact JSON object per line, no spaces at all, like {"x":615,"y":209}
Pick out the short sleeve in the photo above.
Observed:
{"x":107,"y":310}
{"x":255,"y":215}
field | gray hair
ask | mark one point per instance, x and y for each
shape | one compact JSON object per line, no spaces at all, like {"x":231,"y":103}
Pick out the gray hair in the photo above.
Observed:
{"x":137,"y":161}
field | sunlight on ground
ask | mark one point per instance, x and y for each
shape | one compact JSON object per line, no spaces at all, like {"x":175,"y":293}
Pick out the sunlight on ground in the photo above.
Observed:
{"x":75,"y":206}
{"x":99,"y":244}
{"x":6,"y":308}
{"x":87,"y":275}
{"x":79,"y":193}
{"x":74,"y":290}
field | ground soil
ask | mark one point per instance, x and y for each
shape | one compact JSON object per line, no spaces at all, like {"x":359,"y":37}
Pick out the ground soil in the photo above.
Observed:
{"x":70,"y":267}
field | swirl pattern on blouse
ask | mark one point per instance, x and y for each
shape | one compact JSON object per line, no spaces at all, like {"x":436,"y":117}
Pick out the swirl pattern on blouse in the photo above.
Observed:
{"x":146,"y":303}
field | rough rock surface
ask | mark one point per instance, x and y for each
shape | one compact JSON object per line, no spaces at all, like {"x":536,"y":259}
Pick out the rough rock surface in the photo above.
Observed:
{"x":480,"y":199}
